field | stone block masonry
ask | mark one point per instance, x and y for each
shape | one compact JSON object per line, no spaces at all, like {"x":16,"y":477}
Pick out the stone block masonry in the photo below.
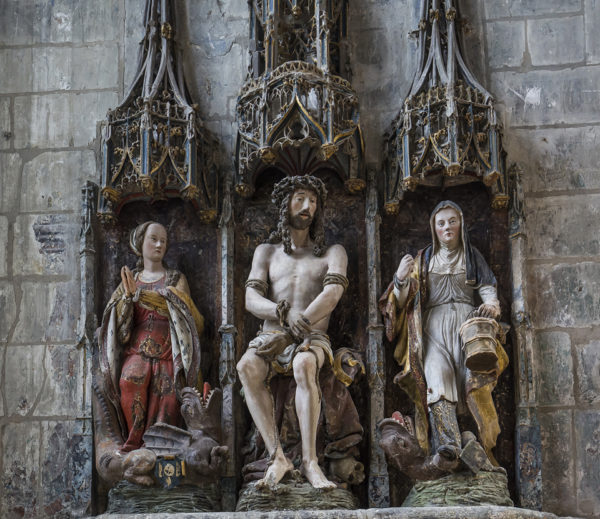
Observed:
{"x":64,"y":63}
{"x":549,"y":92}
{"x":61,"y":70}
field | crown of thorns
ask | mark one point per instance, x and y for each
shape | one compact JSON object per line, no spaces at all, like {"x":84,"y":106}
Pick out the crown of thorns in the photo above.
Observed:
{"x":290,"y":184}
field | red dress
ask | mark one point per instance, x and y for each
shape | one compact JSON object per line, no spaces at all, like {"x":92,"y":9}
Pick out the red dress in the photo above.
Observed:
{"x":147,"y":385}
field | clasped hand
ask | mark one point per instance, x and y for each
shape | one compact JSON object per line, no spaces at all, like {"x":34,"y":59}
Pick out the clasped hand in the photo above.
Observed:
{"x":298,"y":323}
{"x":489,"y":311}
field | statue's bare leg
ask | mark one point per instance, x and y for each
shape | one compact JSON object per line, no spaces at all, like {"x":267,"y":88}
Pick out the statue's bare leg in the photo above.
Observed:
{"x":308,"y":407}
{"x":253,"y":371}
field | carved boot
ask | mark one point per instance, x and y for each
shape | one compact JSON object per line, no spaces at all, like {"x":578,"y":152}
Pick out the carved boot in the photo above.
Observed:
{"x":444,"y":429}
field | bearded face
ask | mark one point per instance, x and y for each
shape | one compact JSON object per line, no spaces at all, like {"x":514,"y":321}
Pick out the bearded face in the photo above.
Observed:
{"x":302,"y":208}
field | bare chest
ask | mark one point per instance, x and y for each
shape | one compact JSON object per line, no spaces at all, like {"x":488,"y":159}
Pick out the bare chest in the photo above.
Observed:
{"x":296,"y":276}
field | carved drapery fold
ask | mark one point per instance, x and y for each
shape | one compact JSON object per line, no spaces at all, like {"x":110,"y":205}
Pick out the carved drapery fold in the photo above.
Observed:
{"x":295,"y":112}
{"x":153,"y":146}
{"x":447,"y":132}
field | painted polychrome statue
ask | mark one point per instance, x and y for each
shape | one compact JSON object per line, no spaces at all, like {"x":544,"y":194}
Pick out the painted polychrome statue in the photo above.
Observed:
{"x":294,"y":285}
{"x":148,"y":390}
{"x":440,"y":311}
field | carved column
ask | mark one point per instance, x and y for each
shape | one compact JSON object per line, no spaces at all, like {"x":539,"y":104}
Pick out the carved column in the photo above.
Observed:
{"x":379,"y":491}
{"x":527,"y":429}
{"x":87,"y":259}
{"x":227,"y":373}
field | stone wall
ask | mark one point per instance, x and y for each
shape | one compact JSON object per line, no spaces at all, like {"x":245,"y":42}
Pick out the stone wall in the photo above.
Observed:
{"x":64,"y":63}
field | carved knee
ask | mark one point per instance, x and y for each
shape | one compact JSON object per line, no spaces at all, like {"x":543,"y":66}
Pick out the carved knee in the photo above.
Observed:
{"x":305,"y":368}
{"x":250,"y":369}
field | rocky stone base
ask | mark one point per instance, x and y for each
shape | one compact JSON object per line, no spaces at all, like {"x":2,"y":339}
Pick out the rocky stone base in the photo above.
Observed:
{"x":127,"y":498}
{"x":462,"y":489}
{"x":451,"y":512}
{"x":294,"y":494}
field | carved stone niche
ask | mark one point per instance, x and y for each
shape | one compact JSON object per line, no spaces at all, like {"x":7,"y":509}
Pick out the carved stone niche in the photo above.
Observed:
{"x":408,"y":231}
{"x":193,"y":249}
{"x":344,"y":220}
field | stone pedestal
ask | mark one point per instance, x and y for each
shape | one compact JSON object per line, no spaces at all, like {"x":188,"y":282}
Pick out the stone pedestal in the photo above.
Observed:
{"x":294,"y":494}
{"x":462,"y":489}
{"x":127,"y":498}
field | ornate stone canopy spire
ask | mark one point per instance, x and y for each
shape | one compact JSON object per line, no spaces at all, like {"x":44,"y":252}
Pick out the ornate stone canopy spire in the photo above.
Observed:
{"x":295,"y":112}
{"x":447,"y":133}
{"x":152,"y":147}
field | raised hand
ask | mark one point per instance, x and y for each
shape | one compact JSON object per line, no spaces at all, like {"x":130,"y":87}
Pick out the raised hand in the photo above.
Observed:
{"x":128,"y":281}
{"x":405,"y":267}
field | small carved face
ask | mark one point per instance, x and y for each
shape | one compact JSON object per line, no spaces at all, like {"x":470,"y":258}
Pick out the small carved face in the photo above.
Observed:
{"x":155,"y":242}
{"x":303,"y":206}
{"x":447,"y":227}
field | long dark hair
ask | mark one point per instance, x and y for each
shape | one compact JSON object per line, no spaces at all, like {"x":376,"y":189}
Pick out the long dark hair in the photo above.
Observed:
{"x":282,"y":192}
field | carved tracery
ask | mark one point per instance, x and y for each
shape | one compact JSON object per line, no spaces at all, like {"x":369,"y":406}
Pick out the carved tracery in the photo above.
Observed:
{"x":153,"y":146}
{"x":447,"y":132}
{"x":295,"y":112}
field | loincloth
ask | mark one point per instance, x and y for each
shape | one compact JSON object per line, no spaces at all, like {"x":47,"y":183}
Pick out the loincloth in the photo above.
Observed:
{"x":283,"y":363}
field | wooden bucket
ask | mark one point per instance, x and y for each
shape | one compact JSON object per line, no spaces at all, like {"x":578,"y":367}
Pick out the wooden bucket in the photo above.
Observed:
{"x":478,"y":336}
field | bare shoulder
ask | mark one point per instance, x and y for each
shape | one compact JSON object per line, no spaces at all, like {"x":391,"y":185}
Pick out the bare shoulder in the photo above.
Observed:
{"x":336,"y":251}
{"x":337,"y":259}
{"x":264,"y":251}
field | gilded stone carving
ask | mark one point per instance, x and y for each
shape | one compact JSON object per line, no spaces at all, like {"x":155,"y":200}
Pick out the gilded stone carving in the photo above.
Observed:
{"x":153,"y":146}
{"x":447,"y":132}
{"x":295,"y":112}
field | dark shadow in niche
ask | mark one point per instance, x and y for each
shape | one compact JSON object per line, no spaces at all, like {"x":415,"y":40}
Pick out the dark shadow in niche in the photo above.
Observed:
{"x":344,"y":224}
{"x":408,"y":232}
{"x":193,"y":249}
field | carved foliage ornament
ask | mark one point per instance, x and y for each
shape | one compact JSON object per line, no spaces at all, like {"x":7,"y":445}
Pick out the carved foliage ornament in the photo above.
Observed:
{"x":152,"y":145}
{"x":447,"y":133}
{"x":295,"y":112}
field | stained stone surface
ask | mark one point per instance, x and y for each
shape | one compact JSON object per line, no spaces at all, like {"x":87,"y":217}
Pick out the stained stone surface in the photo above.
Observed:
{"x":587,"y":357}
{"x":294,"y":495}
{"x":462,"y":489}
{"x":5,"y":126}
{"x":52,"y":310}
{"x":560,"y":231}
{"x":9,"y":309}
{"x":20,"y":469}
{"x":52,"y":180}
{"x":558,"y":159}
{"x":66,"y":462}
{"x":587,"y":427}
{"x":10,"y":166}
{"x":556,"y":373}
{"x":4,"y":241}
{"x":556,"y":40}
{"x":35,"y":128}
{"x":558,"y":492}
{"x":42,"y":244}
{"x":506,"y":41}
{"x":126,"y":498}
{"x":450,"y":512}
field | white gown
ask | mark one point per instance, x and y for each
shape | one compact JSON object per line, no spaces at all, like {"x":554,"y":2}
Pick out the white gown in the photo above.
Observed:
{"x":449,"y":302}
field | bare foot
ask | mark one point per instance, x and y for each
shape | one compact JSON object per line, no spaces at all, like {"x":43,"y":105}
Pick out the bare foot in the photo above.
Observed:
{"x":315,"y":476}
{"x":279,"y":468}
